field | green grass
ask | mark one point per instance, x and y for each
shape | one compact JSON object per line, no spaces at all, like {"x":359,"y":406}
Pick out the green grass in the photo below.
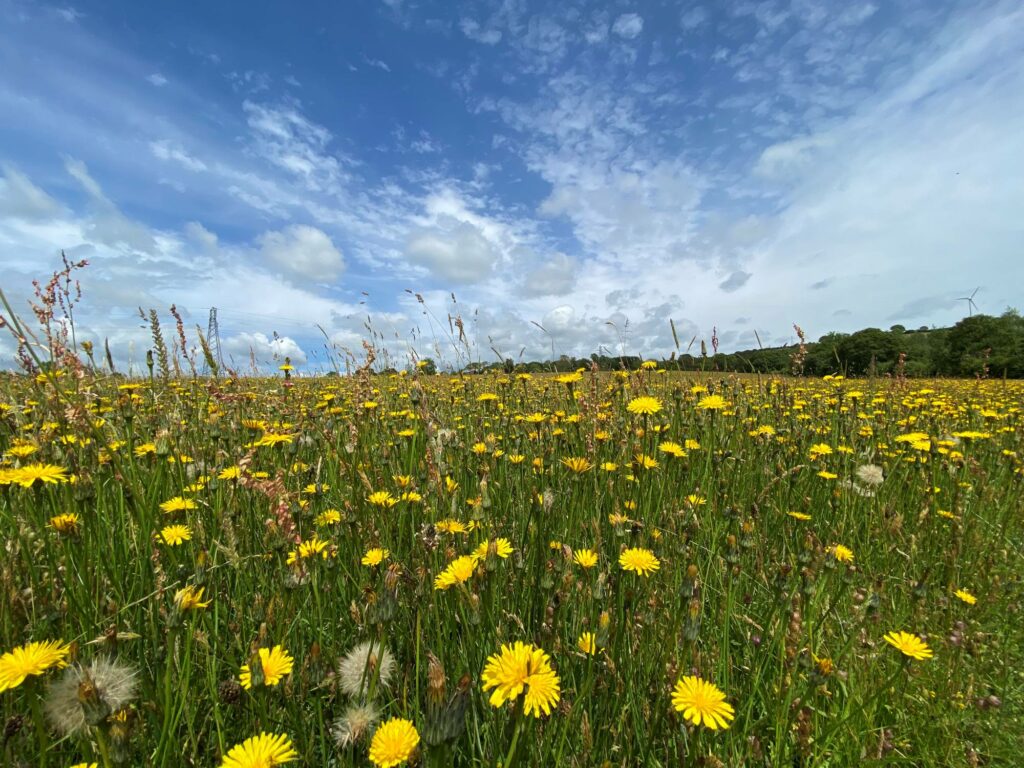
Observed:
{"x":767,"y":601}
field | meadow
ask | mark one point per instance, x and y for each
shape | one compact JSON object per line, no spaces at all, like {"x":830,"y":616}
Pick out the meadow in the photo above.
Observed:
{"x":586,"y":569}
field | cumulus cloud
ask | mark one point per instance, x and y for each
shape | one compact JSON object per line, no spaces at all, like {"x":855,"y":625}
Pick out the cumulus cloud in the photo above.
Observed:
{"x":628,"y":25}
{"x":554,"y":277}
{"x":453,"y":250}
{"x":302,"y":251}
{"x":264,"y":349}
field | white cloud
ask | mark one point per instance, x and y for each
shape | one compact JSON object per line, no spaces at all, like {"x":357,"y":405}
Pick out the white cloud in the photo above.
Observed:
{"x":553,"y":278}
{"x":456,"y":251}
{"x":266,"y":350}
{"x":472,"y":29}
{"x":628,"y":25}
{"x":302,"y":251}
{"x":167,"y":150}
{"x":157,"y":79}
{"x":21,"y":199}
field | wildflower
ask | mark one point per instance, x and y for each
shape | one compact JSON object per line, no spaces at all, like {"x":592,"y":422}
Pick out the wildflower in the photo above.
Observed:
{"x":712,"y":403}
{"x":46,"y":473}
{"x":639,"y":560}
{"x":31,"y":659}
{"x":190,"y":598}
{"x":177,"y":504}
{"x":275,"y":662}
{"x":826,"y":475}
{"x":173,"y":535}
{"x":577,"y":465}
{"x":518,"y":668}
{"x":646,"y":406}
{"x":841,"y":553}
{"x":271,"y":439}
{"x":375,"y":557}
{"x":585,"y":558}
{"x":458,"y":570}
{"x":364,"y":663}
{"x":569,"y":378}
{"x":382,"y":499}
{"x":309,"y":548}
{"x":357,"y":721}
{"x":643,"y":461}
{"x":609,"y":466}
{"x":66,"y":523}
{"x":229,"y":473}
{"x":587,"y":643}
{"x":870,"y":474}
{"x":696,"y":500}
{"x":909,"y":645}
{"x":451,"y":526}
{"x":88,"y":695}
{"x":702,"y":703}
{"x":393,"y":743}
{"x":672,"y":449}
{"x":263,"y":751}
{"x":820,"y":449}
{"x":799,"y":515}
{"x":500,"y":547}
{"x":966,"y":596}
{"x":328,"y":517}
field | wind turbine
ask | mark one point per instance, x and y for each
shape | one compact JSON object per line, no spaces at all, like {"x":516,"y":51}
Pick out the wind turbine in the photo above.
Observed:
{"x":971,"y":306}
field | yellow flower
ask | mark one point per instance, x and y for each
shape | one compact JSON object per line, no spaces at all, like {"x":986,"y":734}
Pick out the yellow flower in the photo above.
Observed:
{"x":696,"y":500}
{"x":646,"y":406}
{"x":672,"y":449}
{"x":275,"y":662}
{"x":393,"y":743}
{"x":585,"y":558}
{"x":569,"y":378}
{"x":639,"y":560}
{"x":190,"y":598}
{"x":841,"y":553}
{"x":66,"y":523}
{"x":31,"y":659}
{"x":382,"y":499}
{"x":459,"y":570}
{"x":309,"y":548}
{"x":909,"y":645}
{"x":578,"y":465}
{"x":375,"y":557}
{"x":702,"y":703}
{"x":229,"y":473}
{"x":500,"y":547}
{"x":800,"y":516}
{"x":966,"y":596}
{"x":45,"y":473}
{"x":712,"y":403}
{"x":451,"y":526}
{"x":177,"y":504}
{"x":518,"y":668}
{"x":328,"y":517}
{"x":263,"y":751}
{"x":587,"y":643}
{"x":173,"y":535}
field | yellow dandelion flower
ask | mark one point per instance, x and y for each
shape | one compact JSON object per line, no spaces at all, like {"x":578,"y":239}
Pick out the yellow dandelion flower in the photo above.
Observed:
{"x":276,"y":662}
{"x":702,"y":703}
{"x":909,"y":645}
{"x":66,"y":523}
{"x":587,"y":643}
{"x":190,"y":598}
{"x":966,"y":596}
{"x":263,"y":751}
{"x":585,"y":558}
{"x":458,"y":571}
{"x":712,"y":403}
{"x":374,"y":557}
{"x":841,"y":553}
{"x":645,"y":405}
{"x":31,"y":659}
{"x":639,"y":560}
{"x":522,"y":668}
{"x":177,"y":504}
{"x":173,"y":535}
{"x":393,"y":743}
{"x":382,"y":499}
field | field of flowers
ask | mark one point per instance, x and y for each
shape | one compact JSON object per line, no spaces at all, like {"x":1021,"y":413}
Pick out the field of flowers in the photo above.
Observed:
{"x":592,"y":569}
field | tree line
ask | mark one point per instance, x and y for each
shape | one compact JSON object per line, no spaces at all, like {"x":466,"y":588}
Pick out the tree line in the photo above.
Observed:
{"x":980,"y":345}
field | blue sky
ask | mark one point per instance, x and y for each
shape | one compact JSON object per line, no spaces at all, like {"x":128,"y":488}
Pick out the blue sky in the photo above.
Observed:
{"x":592,"y":168}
